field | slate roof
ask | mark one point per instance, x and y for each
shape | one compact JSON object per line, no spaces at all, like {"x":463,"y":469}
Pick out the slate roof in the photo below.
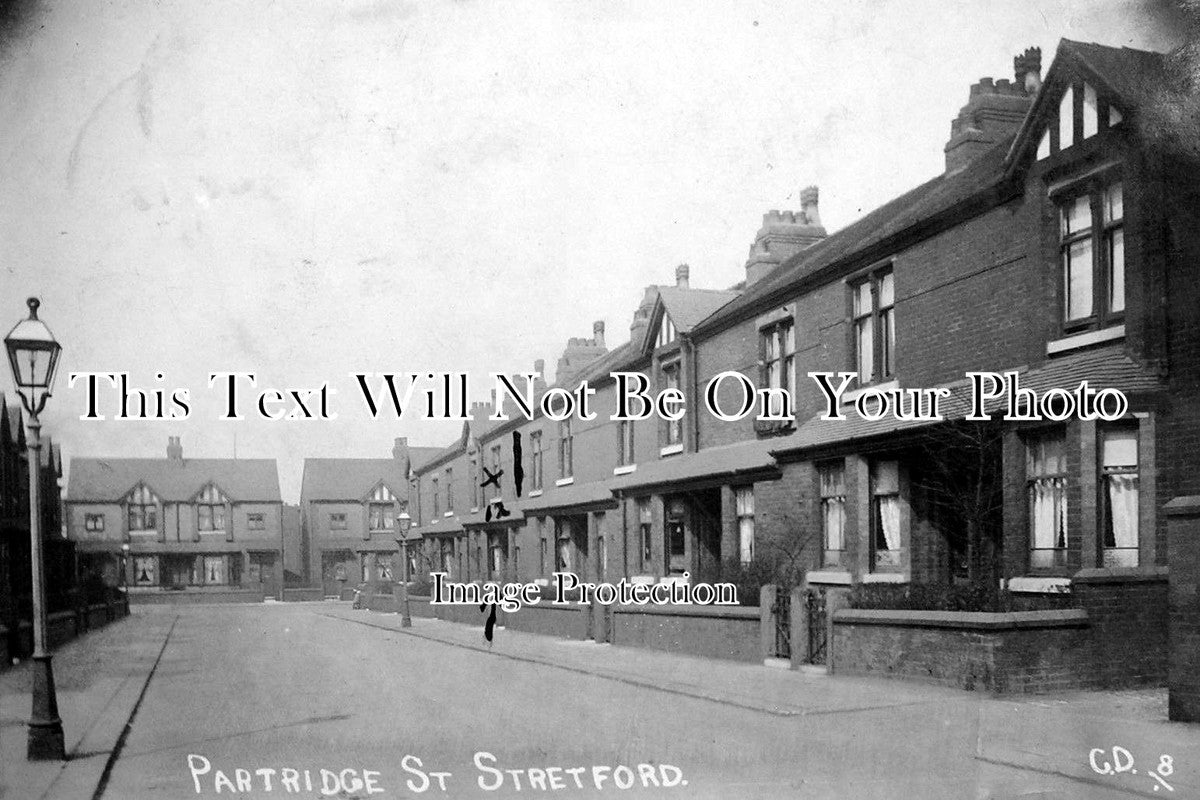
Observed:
{"x":173,"y":480}
{"x":687,"y":307}
{"x":943,"y":193}
{"x":1106,"y":367}
{"x":574,"y":495}
{"x":1136,"y":75}
{"x":728,"y":461}
{"x":350,"y":479}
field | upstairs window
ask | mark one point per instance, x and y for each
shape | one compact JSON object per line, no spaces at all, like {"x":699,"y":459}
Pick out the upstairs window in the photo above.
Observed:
{"x":536,"y":459}
{"x":672,"y":428}
{"x":142,"y":509}
{"x":256,"y":522}
{"x":496,"y":471}
{"x":874,"y":299}
{"x":1119,"y":489}
{"x":1046,"y":485}
{"x":474,"y":478}
{"x":1092,"y":253}
{"x":449,"y":490}
{"x":435,"y":490}
{"x":337,"y":522}
{"x":382,"y":509}
{"x":210,"y":510}
{"x":93,"y":523}
{"x":566,"y":458}
{"x":778,"y":348}
{"x":625,"y":442}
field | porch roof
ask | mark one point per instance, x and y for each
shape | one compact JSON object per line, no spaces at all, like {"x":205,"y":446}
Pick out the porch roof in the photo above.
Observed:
{"x":575,"y":495}
{"x":743,"y":460}
{"x":1102,"y":368}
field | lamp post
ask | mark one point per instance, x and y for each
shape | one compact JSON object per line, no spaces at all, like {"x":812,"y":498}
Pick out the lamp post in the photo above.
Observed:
{"x":123,"y":579}
{"x":403,"y":524}
{"x":33,"y":355}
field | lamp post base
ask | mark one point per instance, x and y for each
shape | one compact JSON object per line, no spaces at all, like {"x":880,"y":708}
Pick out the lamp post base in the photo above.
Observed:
{"x":45,"y":726}
{"x":405,"y":616}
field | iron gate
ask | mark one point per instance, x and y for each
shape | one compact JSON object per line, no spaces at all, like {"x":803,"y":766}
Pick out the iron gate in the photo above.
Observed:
{"x":814,"y":602}
{"x":782,"y":611}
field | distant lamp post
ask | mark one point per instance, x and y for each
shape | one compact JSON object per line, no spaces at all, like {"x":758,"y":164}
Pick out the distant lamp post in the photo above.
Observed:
{"x":33,"y":355}
{"x":122,"y":579}
{"x":403,"y":524}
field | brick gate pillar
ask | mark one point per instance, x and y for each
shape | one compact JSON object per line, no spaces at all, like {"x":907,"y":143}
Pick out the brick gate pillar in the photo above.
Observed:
{"x":1183,"y":642}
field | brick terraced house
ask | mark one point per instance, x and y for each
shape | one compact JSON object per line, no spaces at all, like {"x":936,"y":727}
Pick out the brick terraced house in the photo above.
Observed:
{"x":175,"y":528}
{"x":348,"y":512}
{"x":1059,"y":243}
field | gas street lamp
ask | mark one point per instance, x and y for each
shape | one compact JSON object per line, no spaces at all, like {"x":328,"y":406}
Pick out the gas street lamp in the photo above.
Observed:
{"x":33,"y":355}
{"x":403,"y":524}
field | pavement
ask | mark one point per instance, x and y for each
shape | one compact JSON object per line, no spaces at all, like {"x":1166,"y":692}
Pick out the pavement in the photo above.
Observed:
{"x":174,"y":700}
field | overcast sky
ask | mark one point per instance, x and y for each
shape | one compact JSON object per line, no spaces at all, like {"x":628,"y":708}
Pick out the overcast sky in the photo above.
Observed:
{"x":302,"y":190}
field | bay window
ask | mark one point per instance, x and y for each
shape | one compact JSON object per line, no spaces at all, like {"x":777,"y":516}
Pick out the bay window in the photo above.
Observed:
{"x":1046,"y":485}
{"x":1119,"y":495}
{"x":886,"y":543}
{"x":833,"y":513}
{"x":744,"y":502}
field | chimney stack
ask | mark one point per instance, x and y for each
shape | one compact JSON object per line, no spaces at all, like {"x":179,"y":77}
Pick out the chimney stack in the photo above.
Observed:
{"x":808,"y":205}
{"x":174,"y":448}
{"x":400,"y":447}
{"x":681,"y":276}
{"x":994,"y":111}
{"x":1027,"y":68}
{"x":598,"y":332}
{"x":783,"y":234}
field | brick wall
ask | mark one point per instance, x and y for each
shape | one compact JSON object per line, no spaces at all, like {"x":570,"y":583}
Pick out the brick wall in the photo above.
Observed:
{"x":725,"y":633}
{"x":1184,"y":655}
{"x":1005,"y":653}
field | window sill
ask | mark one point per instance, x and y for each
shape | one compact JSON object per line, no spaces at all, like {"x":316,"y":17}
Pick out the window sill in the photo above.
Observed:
{"x":1036,"y":585}
{"x":1068,"y":343}
{"x":143,"y":533}
{"x":448,"y":514}
{"x":565,"y":481}
{"x":830,"y":577}
{"x":535,"y":493}
{"x":671,"y":450}
{"x":850,"y":396}
{"x":625,"y":469}
{"x":885,"y":577}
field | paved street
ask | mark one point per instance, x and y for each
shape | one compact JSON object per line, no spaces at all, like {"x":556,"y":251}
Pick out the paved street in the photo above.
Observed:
{"x":311,"y":687}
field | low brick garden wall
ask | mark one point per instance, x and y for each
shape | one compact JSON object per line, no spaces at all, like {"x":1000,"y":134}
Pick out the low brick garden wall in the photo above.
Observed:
{"x":725,"y":632}
{"x":303,"y":594}
{"x":196,"y":596}
{"x":565,"y":621}
{"x":61,"y":627}
{"x":1021,"y":651}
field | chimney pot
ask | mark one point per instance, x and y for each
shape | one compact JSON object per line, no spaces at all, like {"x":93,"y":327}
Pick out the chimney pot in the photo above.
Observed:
{"x":539,"y":366}
{"x":174,"y":448}
{"x":809,"y":196}
{"x":598,"y":332}
{"x":1027,"y":68}
{"x":681,"y":276}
